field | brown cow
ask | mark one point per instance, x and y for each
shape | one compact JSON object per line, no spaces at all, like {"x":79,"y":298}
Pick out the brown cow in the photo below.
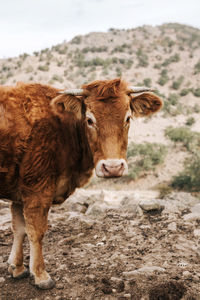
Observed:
{"x":50,"y":142}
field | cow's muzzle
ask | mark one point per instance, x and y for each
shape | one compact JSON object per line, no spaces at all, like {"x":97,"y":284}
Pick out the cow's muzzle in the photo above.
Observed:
{"x":111,"y":168}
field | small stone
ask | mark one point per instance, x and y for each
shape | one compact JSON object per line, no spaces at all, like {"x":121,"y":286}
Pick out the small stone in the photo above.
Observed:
{"x":128,"y":296}
{"x":153,"y":204}
{"x":115,"y":279}
{"x":197,"y":232}
{"x":172,"y":226}
{"x":186,"y":274}
{"x":91,"y":276}
{"x":144,"y":270}
{"x":2,"y":280}
{"x":192,"y":217}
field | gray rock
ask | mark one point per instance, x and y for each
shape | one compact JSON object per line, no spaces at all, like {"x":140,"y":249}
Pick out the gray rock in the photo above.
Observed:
{"x":197,"y":232}
{"x":129,"y":204}
{"x":152,"y":204}
{"x":96,"y":210}
{"x":192,"y":217}
{"x":186,"y":273}
{"x":144,"y":270}
{"x":127,"y":296}
{"x":2,"y":280}
{"x":172,"y":226}
{"x":196,"y":208}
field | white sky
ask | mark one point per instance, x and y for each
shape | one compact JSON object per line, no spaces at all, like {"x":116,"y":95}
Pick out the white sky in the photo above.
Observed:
{"x":30,"y":25}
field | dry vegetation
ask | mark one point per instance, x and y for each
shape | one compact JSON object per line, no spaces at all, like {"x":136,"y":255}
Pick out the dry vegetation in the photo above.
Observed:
{"x":165,"y":57}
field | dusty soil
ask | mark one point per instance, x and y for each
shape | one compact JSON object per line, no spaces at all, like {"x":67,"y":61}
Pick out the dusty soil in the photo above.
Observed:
{"x":119,"y":255}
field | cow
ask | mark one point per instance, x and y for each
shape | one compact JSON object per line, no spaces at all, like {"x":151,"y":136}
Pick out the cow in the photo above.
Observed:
{"x":51,"y":140}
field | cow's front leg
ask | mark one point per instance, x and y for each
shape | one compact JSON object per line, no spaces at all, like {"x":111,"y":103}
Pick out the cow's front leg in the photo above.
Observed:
{"x":36,"y":213}
{"x":15,"y":261}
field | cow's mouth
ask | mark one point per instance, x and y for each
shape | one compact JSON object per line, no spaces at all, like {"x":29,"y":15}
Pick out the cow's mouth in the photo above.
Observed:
{"x":111,"y":168}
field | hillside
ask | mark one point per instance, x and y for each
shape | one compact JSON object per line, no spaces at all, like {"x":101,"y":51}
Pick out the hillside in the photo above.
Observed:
{"x":165,"y":57}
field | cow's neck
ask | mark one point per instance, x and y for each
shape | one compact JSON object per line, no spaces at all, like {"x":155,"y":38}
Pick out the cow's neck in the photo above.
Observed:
{"x":77,"y":162}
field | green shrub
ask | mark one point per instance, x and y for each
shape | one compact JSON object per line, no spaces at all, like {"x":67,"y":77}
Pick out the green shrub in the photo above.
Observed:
{"x":196,"y":92}
{"x":121,"y":48}
{"x":190,"y":121}
{"x":57,"y":78}
{"x":118,"y":72}
{"x":77,"y":40}
{"x":196,"y":108}
{"x":147,"y":82}
{"x":184,"y":92}
{"x":176,"y":84}
{"x":189,"y":179}
{"x":189,"y":139}
{"x":173,"y":99}
{"x":171,"y":59}
{"x":44,"y":68}
{"x":94,"y":49}
{"x":142,"y":58}
{"x":157,"y":66}
{"x":146,"y":157}
{"x":163,"y":77}
{"x":197,"y":68}
{"x":29,"y":69}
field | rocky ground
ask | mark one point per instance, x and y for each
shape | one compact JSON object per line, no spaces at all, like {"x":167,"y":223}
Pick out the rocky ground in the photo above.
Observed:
{"x":114,"y":245}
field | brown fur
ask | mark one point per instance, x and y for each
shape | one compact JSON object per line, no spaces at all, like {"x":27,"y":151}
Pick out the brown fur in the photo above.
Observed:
{"x":47,"y":149}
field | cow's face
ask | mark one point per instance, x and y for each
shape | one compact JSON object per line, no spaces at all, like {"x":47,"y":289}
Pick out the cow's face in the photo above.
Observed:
{"x":107,"y":107}
{"x":108,"y":122}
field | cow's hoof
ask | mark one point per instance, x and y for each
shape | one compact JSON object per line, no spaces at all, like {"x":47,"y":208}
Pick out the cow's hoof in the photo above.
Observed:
{"x":18,"y":272}
{"x":45,"y":285}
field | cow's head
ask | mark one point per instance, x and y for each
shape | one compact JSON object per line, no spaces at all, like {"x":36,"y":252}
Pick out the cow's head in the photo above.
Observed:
{"x":107,"y":108}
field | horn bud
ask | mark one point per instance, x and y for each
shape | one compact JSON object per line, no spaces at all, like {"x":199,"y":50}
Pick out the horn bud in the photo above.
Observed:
{"x":73,"y":92}
{"x":139,"y":89}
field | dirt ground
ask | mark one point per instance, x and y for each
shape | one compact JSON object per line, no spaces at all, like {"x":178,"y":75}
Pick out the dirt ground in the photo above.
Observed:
{"x":118,"y":255}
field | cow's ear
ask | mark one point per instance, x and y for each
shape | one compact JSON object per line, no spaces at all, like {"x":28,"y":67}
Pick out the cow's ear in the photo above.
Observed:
{"x":145,"y":104}
{"x":68,"y":103}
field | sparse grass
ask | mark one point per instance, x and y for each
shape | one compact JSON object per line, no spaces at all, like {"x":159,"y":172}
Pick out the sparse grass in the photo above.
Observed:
{"x":189,"y":139}
{"x":144,"y":157}
{"x":147,"y":82}
{"x":44,"y":68}
{"x":57,"y":78}
{"x":163,"y":77}
{"x":196,"y":92}
{"x":190,"y":121}
{"x":184,"y":91}
{"x":177,"y":83}
{"x":189,"y":179}
{"x":172,"y":59}
{"x":197,"y":68}
{"x":142,"y":58}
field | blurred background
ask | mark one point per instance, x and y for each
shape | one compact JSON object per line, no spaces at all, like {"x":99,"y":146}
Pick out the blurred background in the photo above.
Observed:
{"x":153,"y":43}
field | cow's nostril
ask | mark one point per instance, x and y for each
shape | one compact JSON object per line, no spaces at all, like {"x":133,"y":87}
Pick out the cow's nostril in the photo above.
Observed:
{"x":104,"y":168}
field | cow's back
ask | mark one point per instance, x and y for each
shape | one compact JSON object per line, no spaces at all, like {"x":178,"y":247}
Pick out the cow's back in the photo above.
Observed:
{"x":20,"y":108}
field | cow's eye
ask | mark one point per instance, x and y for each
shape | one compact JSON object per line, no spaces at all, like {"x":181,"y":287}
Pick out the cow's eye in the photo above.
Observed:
{"x":90,"y":122}
{"x":128,"y":119}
